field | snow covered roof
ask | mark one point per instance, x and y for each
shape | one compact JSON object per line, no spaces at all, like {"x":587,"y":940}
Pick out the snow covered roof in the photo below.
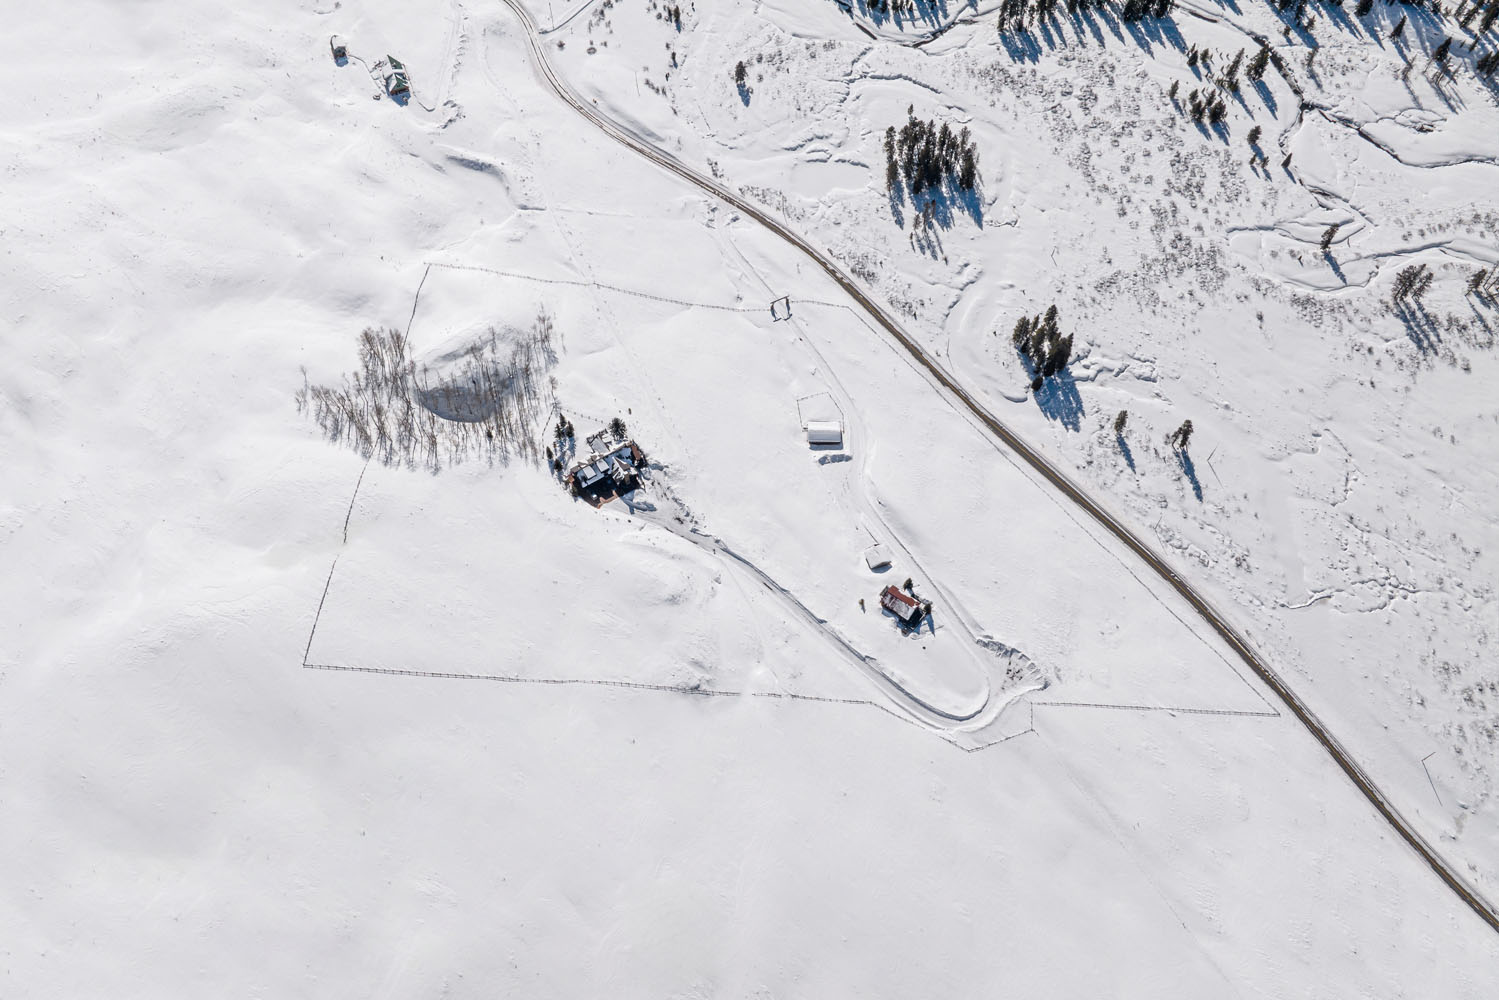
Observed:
{"x":902,"y":605}
{"x":824,"y":432}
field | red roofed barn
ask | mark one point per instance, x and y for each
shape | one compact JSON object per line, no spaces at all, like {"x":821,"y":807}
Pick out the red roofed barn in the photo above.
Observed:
{"x":901,"y":605}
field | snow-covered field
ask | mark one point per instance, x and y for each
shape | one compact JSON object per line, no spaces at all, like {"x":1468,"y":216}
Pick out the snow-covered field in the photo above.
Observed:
{"x":277,"y":721}
{"x":1342,"y":446}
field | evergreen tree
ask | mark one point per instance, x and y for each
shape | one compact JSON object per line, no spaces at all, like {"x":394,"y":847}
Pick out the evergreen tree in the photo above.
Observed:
{"x":1399,"y":29}
{"x":1260,"y":62}
{"x":1412,"y":283}
{"x":1119,"y":423}
{"x":1021,"y":338}
{"x":1182,"y":436}
{"x":1058,"y":356}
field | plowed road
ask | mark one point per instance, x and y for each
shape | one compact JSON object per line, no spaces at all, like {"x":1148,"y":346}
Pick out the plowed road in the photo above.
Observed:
{"x":1377,"y":798}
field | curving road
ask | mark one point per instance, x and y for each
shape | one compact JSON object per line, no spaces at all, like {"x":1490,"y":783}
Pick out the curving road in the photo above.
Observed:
{"x":1376,"y":796}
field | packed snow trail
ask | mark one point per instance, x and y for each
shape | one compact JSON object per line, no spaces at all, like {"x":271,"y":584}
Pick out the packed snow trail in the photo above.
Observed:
{"x":956,"y":393}
{"x":923,"y":709}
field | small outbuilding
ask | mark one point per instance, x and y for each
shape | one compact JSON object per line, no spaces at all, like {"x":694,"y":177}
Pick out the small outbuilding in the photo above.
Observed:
{"x":825,"y":432}
{"x":876,"y":557}
{"x":340,"y":49}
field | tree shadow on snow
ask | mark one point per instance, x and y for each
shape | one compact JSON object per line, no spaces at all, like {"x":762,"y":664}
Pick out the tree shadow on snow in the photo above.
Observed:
{"x":1265,"y":96}
{"x":1190,"y":471}
{"x":932,"y":13}
{"x":1059,"y":400}
{"x":1420,"y":326}
{"x":1024,"y":43}
{"x":1129,"y":456}
{"x":938,"y":204}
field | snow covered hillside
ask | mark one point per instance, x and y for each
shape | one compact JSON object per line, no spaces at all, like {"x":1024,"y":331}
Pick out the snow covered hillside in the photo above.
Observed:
{"x":1344,"y":440}
{"x":319,"y":680}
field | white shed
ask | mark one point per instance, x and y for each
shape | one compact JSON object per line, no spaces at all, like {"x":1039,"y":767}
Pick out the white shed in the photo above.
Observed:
{"x":824,"y":432}
{"x":876,"y":557}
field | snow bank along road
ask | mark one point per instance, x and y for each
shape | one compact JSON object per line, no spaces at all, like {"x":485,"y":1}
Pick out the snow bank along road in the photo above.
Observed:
{"x":1444,"y":870}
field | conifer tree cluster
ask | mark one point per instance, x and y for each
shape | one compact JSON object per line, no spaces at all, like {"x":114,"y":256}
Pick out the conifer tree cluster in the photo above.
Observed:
{"x":1015,"y":14}
{"x":1040,"y":342}
{"x":1208,"y":106}
{"x":1490,"y":11}
{"x":1181,"y":437}
{"x":926,"y":157}
{"x":1257,"y":66}
{"x":1138,"y":10}
{"x":1412,"y":282}
{"x":1484,"y":282}
{"x":1230,"y":78}
{"x":907,"y":7}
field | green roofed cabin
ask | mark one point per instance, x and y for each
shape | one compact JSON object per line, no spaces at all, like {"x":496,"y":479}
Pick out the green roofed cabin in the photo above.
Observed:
{"x":396,"y":82}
